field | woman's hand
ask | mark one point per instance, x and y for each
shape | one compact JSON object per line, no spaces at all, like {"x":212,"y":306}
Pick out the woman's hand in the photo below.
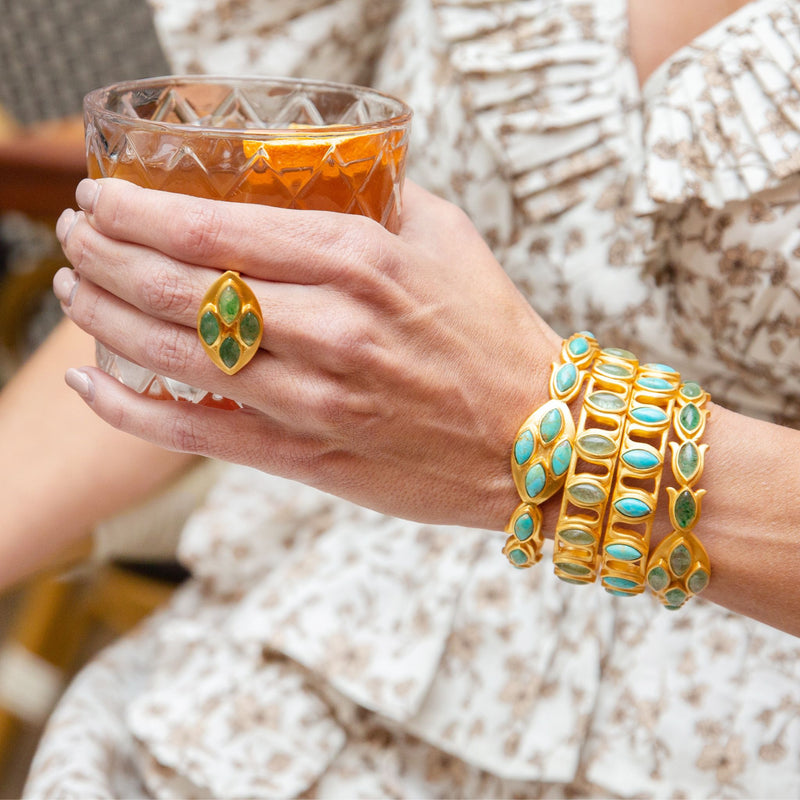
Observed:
{"x":394,"y":370}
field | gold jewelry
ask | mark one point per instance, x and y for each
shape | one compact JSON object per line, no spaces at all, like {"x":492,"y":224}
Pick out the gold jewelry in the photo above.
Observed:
{"x":577,"y":355}
{"x":229,"y":323}
{"x":633,"y":504}
{"x":539,"y":460}
{"x":680,"y":567}
{"x":543,"y":448}
{"x":597,"y":441}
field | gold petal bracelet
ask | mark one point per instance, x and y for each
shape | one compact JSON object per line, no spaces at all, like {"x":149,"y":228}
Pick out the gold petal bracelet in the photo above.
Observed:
{"x":597,"y":442}
{"x":543,"y":448}
{"x":679,"y":567}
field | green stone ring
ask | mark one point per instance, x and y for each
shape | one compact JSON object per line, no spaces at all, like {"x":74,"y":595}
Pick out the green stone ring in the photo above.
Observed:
{"x":229,"y":323}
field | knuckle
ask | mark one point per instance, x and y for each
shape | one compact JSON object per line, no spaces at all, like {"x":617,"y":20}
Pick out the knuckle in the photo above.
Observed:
{"x":164,"y":293}
{"x":167,"y":352}
{"x":360,"y":245}
{"x":86,"y":308}
{"x":351,"y":346}
{"x":340,"y":409}
{"x":111,"y":210}
{"x":186,"y":436}
{"x":78,"y":246}
{"x":198,"y":230}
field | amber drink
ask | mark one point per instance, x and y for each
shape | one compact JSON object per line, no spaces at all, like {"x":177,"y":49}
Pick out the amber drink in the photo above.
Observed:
{"x":282,"y":142}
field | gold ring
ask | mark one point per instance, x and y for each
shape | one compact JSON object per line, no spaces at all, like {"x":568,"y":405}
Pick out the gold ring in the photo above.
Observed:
{"x":229,"y":323}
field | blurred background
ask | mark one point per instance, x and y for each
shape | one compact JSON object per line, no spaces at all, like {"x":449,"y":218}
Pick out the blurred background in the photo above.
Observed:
{"x":51,"y":53}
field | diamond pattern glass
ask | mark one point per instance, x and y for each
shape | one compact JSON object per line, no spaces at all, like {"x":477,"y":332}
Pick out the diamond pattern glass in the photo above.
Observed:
{"x":282,"y":142}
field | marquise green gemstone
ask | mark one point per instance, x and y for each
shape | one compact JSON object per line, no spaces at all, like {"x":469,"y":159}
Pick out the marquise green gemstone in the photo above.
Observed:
{"x":658,"y":579}
{"x":639,"y":458}
{"x":614,"y":370}
{"x":566,"y":377}
{"x":229,"y":304}
{"x":691,"y":389}
{"x":535,"y":479}
{"x":572,"y":569}
{"x":606,"y":401}
{"x":685,"y":509}
{"x":518,"y":557}
{"x":675,"y":597}
{"x":698,"y":581}
{"x":577,"y":536}
{"x":587,"y":494}
{"x":249,"y":328}
{"x":623,"y":552}
{"x":229,"y":352}
{"x":523,"y":527}
{"x":562,"y":455}
{"x":596,"y":444}
{"x":574,"y":581}
{"x":619,"y":352}
{"x":209,"y":328}
{"x":632,"y":507}
{"x":523,"y":447}
{"x":688,"y":459}
{"x":690,"y":417}
{"x":680,"y":560}
{"x":551,"y":425}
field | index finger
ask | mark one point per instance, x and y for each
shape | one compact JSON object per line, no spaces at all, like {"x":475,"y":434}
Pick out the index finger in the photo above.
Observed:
{"x":275,"y":244}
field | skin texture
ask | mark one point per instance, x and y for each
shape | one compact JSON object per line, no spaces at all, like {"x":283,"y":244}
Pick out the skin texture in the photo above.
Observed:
{"x":372,"y":383}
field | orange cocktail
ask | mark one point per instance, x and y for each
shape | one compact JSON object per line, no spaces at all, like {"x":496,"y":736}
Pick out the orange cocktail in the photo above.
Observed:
{"x":282,"y":142}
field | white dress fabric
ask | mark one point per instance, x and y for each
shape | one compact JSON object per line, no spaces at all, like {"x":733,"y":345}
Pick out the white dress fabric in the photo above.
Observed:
{"x":324,"y":650}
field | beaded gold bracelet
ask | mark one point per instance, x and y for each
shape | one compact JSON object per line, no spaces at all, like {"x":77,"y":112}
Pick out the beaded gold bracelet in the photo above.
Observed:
{"x":597,"y":442}
{"x":679,"y":567}
{"x":542,"y":450}
{"x":626,"y":543}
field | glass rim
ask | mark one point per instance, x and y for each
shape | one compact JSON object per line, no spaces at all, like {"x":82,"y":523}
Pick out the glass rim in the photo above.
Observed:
{"x":93,"y":102}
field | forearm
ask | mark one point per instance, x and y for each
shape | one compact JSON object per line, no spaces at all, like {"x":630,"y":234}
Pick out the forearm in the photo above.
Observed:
{"x":63,"y":468}
{"x":750,"y":523}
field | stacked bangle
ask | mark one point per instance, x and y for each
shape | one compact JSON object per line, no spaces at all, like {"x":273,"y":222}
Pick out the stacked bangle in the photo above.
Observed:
{"x":612,"y":461}
{"x":597,"y":442}
{"x":679,"y":567}
{"x":633,"y":504}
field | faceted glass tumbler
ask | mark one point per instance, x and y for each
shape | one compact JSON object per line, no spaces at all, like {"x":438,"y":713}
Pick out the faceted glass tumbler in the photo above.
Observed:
{"x":282,"y":142}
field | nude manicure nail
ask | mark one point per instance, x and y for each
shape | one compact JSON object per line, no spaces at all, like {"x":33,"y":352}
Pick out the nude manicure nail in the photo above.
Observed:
{"x":86,"y":194}
{"x":80,"y":382}
{"x":64,"y":225}
{"x":65,"y":284}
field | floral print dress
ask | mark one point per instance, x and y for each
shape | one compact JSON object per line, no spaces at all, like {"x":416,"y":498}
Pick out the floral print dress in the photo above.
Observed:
{"x":324,"y":650}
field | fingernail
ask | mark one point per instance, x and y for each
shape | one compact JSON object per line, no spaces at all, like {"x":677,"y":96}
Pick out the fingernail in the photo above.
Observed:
{"x":64,"y":225}
{"x":65,"y":284}
{"x":86,"y":194}
{"x":80,"y":382}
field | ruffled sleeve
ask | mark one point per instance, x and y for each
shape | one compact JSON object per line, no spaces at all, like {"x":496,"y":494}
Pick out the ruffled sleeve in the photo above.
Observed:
{"x":548,"y":84}
{"x":722,"y":116}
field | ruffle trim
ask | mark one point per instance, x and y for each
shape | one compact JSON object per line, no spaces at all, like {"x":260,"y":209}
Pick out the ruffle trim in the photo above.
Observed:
{"x":550,"y":86}
{"x":722,"y":115}
{"x":423,"y":652}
